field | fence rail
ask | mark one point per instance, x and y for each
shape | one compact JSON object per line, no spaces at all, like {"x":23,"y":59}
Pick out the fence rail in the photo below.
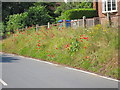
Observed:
{"x":74,"y":23}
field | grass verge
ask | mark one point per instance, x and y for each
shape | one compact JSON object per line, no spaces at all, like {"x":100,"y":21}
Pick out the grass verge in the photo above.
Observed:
{"x":92,"y":49}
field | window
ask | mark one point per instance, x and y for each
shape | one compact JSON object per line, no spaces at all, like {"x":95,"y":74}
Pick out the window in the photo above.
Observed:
{"x":109,"y":6}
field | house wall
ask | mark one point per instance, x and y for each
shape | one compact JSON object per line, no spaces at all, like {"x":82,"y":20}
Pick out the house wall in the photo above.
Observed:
{"x":115,"y":17}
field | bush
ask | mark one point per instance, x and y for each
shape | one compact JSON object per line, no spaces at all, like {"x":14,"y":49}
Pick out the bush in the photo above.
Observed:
{"x":35,"y":15}
{"x":16,"y":21}
{"x":78,"y":14}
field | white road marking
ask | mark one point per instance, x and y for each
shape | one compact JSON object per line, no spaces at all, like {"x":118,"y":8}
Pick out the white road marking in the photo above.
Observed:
{"x":1,"y":81}
{"x":68,"y":68}
{"x":92,"y":74}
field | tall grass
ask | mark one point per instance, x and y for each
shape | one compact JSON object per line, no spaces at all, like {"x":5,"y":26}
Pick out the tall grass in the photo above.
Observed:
{"x":93,"y":49}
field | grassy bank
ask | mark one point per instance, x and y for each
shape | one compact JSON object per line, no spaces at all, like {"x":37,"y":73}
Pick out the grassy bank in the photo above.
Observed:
{"x":94,"y":49}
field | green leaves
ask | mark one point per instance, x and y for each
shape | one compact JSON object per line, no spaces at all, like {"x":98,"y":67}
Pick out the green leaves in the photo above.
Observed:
{"x":35,"y":15}
{"x":78,"y":13}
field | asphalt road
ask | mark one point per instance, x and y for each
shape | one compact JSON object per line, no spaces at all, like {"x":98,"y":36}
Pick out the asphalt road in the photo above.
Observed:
{"x":19,"y":72}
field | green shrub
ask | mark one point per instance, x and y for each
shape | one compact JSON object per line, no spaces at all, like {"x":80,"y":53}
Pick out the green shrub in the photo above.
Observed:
{"x":78,"y":14}
{"x":16,"y":21}
{"x":35,"y":15}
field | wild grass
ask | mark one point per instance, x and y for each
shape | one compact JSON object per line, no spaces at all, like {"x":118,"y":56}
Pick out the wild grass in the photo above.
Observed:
{"x":92,"y":49}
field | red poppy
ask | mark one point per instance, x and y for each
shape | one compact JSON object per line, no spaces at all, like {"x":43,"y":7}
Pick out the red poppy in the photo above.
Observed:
{"x":38,"y":40}
{"x":56,"y":48}
{"x":48,"y":55}
{"x":68,"y":45}
{"x":85,"y":37}
{"x":81,"y":40}
{"x":38,"y":45}
{"x":82,"y":35}
{"x":85,"y":47}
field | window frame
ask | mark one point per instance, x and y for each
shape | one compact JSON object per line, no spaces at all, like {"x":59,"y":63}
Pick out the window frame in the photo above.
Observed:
{"x":105,"y":2}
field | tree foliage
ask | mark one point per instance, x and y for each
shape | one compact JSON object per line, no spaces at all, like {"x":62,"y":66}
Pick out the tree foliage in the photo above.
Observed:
{"x":10,"y":8}
{"x":35,"y":15}
{"x":72,"y":5}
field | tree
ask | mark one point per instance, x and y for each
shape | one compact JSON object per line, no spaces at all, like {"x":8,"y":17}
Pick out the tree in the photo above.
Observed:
{"x":10,"y":8}
{"x":37,"y":15}
{"x":50,"y":7}
{"x":34,"y":15}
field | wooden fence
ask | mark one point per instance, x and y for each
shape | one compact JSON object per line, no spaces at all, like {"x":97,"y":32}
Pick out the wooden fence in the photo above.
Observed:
{"x":85,"y":22}
{"x":74,"y":23}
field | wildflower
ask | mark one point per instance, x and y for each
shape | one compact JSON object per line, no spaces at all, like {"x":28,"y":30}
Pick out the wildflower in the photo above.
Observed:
{"x":85,"y":37}
{"x":38,"y":40}
{"x":53,"y":55}
{"x":104,"y":30}
{"x":68,"y":45}
{"x":48,"y":28}
{"x":38,"y":45}
{"x":48,"y":55}
{"x":85,"y":47}
{"x":37,"y":48}
{"x":56,"y":48}
{"x":82,"y":35}
{"x":87,"y":57}
{"x":37,"y":33}
{"x":81,"y":40}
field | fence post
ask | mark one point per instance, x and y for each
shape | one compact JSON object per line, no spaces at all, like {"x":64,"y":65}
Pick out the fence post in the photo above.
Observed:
{"x":48,"y":24}
{"x":26,"y":27}
{"x":64,"y":23}
{"x":84,"y":21}
{"x":94,"y":20}
{"x":78,"y":22}
{"x":36,"y":27}
{"x":109,"y":19}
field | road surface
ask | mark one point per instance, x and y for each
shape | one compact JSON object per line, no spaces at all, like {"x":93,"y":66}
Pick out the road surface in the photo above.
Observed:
{"x":21,"y":72}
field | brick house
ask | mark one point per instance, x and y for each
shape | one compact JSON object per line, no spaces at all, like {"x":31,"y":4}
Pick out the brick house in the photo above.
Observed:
{"x":108,"y":10}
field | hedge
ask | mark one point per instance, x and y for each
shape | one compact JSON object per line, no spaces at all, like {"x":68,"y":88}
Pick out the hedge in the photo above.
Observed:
{"x":78,"y":13}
